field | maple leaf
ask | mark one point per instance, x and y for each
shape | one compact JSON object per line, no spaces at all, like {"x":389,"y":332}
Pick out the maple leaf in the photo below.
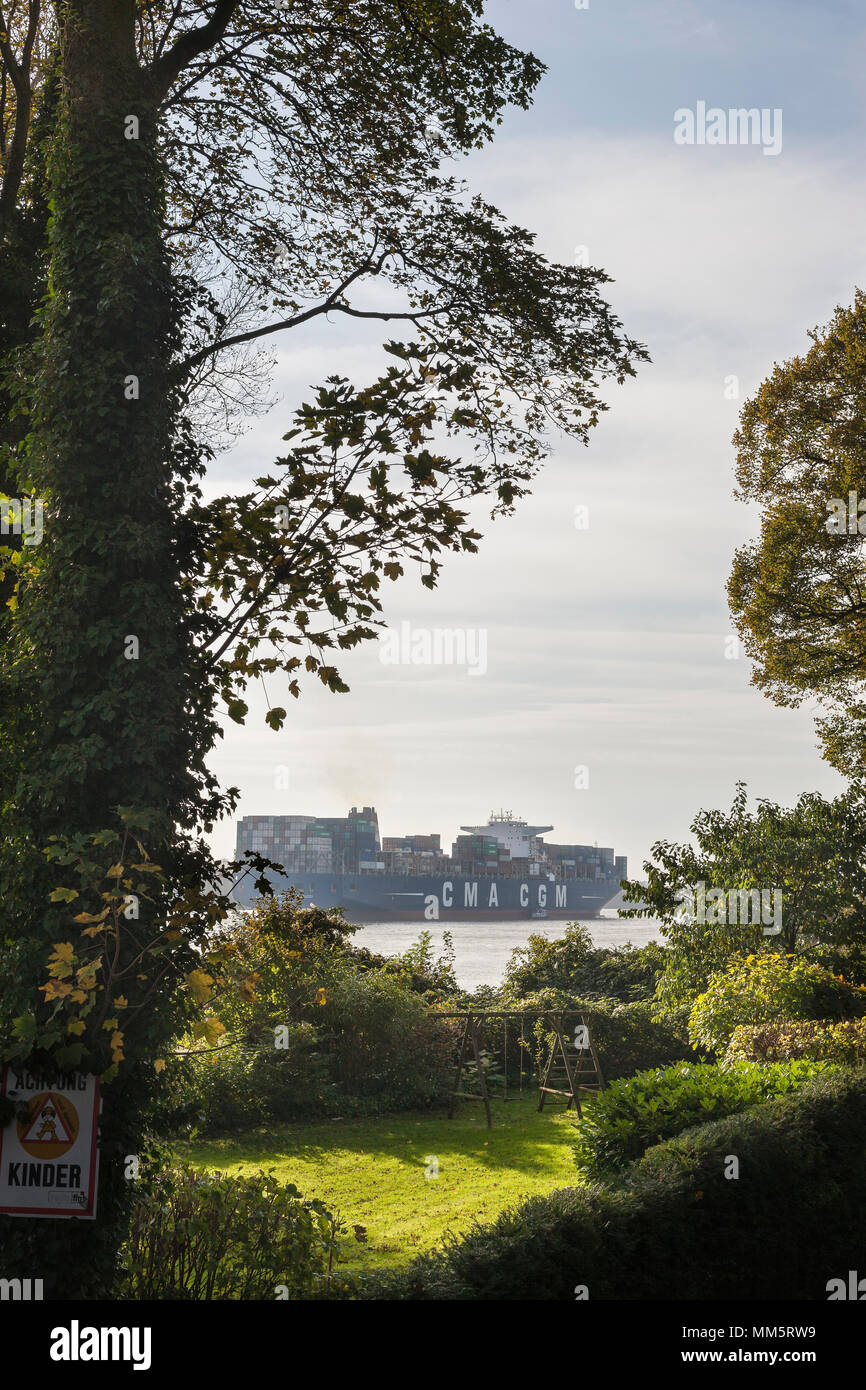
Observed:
{"x":55,"y":989}
{"x":199,"y":983}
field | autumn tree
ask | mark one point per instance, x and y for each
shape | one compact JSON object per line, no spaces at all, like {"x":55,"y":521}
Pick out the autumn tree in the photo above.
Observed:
{"x":182,"y":183}
{"x":798,"y":592}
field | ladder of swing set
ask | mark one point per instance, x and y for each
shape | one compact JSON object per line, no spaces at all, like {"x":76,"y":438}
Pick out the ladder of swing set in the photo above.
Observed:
{"x":470,"y":1039}
{"x":580,"y":1071}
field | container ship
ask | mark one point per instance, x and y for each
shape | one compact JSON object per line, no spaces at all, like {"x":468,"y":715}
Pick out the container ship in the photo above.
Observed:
{"x":503,"y":869}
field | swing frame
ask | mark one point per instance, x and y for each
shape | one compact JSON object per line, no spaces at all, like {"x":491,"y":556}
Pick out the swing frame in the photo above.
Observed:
{"x":574,"y":1075}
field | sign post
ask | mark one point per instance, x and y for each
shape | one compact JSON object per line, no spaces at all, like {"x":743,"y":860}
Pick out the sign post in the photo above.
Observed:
{"x":48,"y":1152}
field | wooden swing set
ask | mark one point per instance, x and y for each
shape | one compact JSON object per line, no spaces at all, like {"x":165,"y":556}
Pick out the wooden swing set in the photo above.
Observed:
{"x":565,"y":1074}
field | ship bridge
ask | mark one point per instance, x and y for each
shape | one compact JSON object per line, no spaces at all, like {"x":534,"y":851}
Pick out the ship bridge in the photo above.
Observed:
{"x":513,"y":834}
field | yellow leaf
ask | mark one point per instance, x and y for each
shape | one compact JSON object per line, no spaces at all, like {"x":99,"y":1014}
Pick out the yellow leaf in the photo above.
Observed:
{"x":89,"y":916}
{"x":159,"y":1065}
{"x":209,"y":1028}
{"x":121,"y":1002}
{"x":63,"y":951}
{"x":213,"y":1029}
{"x":115,"y":871}
{"x":55,"y":989}
{"x":321,"y":996}
{"x":76,"y":1027}
{"x":199,"y":983}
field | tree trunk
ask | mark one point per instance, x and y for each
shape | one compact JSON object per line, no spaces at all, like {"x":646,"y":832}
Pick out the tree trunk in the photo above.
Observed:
{"x":99,"y":665}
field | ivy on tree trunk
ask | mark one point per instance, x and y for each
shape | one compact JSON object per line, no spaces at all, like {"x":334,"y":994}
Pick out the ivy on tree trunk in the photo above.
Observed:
{"x":101,"y":660}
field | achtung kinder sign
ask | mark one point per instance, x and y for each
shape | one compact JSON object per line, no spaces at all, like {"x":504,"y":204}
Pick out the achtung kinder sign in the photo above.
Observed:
{"x":48,"y":1153}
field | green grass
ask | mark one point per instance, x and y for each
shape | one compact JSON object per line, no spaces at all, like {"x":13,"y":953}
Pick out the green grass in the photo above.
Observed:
{"x":371,"y":1172}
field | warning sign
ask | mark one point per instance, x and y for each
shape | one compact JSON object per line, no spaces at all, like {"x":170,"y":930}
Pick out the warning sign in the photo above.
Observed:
{"x":48,"y":1152}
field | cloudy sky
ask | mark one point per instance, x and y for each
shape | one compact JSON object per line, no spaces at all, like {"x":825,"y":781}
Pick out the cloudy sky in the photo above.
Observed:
{"x":606,"y":646}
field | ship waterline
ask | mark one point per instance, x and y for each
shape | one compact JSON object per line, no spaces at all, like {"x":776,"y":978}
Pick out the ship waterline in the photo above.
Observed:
{"x":381,"y":897}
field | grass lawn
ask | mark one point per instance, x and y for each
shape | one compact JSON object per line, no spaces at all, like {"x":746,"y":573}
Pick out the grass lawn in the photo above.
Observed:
{"x":372,"y":1172}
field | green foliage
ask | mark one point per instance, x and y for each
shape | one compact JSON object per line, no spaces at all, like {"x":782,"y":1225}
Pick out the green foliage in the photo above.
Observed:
{"x":210,"y":1236}
{"x":796,"y":593}
{"x":627,"y":1037}
{"x":376,"y":1047}
{"x":843,"y":1041}
{"x":572,"y":964}
{"x":308,"y":1025}
{"x":384,"y":1041}
{"x":418,"y":966}
{"x":810,"y":853}
{"x":678,"y":1228}
{"x":237,"y":1086}
{"x":767,"y":988}
{"x":638,"y":1111}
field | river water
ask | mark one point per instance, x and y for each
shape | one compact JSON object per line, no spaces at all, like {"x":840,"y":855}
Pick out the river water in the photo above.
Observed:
{"x":482,"y":949}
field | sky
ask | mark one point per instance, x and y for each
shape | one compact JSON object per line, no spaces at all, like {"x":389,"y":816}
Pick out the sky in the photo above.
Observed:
{"x":610,"y":703}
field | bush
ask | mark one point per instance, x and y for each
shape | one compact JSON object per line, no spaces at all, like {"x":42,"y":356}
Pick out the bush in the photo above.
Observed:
{"x":678,"y":1228}
{"x":766,"y":988}
{"x":572,"y":964}
{"x":308,"y":1026}
{"x":237,"y":1086}
{"x":843,"y":1042}
{"x":210,"y":1236}
{"x":376,"y":1047}
{"x":383,"y":1041}
{"x":638,"y":1111}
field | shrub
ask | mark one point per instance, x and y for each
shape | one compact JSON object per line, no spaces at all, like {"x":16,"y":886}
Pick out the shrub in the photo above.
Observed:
{"x":638,"y":1111}
{"x":678,"y":1228}
{"x":376,"y":1047}
{"x":383,"y":1041}
{"x":418,"y":966}
{"x":212,"y":1236}
{"x":237,"y":1086}
{"x":843,"y":1042}
{"x":571,"y":963}
{"x":766,"y":988}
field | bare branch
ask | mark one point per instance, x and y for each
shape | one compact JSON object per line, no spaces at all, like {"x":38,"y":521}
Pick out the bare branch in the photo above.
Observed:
{"x":190,"y":45}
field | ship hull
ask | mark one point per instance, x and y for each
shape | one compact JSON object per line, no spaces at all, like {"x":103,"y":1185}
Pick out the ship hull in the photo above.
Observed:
{"x":433,"y":898}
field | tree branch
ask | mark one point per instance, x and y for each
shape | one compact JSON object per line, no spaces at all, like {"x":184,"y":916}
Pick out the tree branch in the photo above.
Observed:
{"x":190,"y":45}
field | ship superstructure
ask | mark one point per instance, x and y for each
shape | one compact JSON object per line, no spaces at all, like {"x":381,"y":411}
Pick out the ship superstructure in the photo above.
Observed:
{"x":501,"y":869}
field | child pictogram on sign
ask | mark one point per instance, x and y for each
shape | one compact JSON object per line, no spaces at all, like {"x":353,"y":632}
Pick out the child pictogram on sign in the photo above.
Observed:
{"x":48,"y":1116}
{"x":51,"y":1126}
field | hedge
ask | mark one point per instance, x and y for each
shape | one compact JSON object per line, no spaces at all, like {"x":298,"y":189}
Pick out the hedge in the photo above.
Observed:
{"x":639,"y":1111}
